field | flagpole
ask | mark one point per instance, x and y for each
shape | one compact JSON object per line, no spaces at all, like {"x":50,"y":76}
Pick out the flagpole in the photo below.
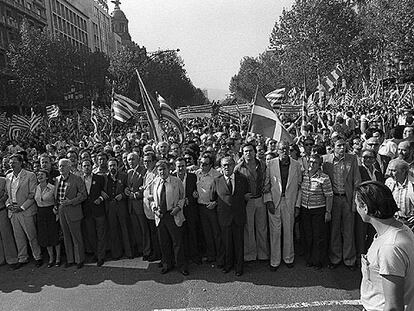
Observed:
{"x":112,"y":112}
{"x":254,"y":100}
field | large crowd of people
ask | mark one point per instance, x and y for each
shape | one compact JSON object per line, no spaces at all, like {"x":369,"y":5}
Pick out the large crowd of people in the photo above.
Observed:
{"x":222,"y":196}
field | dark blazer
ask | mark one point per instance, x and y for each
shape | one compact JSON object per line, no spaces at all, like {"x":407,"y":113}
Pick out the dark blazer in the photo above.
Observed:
{"x":76,"y":193}
{"x":190,"y":187}
{"x":121,"y":184}
{"x":365,"y":175}
{"x":382,"y":165}
{"x":136,"y":180}
{"x":90,"y":208}
{"x":231,"y":207}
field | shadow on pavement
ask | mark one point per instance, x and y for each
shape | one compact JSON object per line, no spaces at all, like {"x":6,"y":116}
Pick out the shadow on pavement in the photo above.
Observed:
{"x":30,"y":279}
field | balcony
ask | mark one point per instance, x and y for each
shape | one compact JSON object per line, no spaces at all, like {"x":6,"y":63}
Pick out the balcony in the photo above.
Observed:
{"x":25,"y":10}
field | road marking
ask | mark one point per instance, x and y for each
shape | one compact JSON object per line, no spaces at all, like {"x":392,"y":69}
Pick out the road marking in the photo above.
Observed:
{"x":296,"y":305}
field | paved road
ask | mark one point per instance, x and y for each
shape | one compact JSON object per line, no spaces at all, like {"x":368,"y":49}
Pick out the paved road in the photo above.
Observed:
{"x":135,"y":285}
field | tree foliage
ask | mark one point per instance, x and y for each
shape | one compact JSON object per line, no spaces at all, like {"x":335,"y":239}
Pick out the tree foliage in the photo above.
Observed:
{"x":314,"y":35}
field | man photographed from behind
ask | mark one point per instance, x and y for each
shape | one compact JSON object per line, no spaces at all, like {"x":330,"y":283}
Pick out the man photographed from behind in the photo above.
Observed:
{"x":70,"y":193}
{"x":256,"y":244}
{"x":94,"y":212}
{"x":21,"y":186}
{"x":342,"y":169}
{"x":282,"y":197}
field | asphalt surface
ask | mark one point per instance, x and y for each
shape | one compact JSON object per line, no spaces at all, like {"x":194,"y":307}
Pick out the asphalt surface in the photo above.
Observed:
{"x":136,"y":285}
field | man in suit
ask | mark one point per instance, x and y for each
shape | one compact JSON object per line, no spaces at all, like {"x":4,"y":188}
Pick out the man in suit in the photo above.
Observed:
{"x":94,"y":211}
{"x":135,"y":193}
{"x":190,"y":209}
{"x":117,"y":210}
{"x":168,"y":205}
{"x":382,"y":161}
{"x":8,"y":252}
{"x":21,"y":187}
{"x":231,"y":192}
{"x":342,"y":169}
{"x":282,"y":199}
{"x":70,"y":192}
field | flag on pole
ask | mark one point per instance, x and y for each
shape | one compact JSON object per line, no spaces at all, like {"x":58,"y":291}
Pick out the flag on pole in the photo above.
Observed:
{"x":123,"y":107}
{"x":329,"y":81}
{"x":94,"y":118}
{"x":152,"y":109}
{"x":276,"y":98}
{"x":265,"y":122}
{"x":35,"y":121}
{"x":52,"y":111}
{"x":168,"y":114}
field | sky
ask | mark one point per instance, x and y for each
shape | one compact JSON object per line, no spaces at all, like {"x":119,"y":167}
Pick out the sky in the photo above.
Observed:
{"x":213,"y":35}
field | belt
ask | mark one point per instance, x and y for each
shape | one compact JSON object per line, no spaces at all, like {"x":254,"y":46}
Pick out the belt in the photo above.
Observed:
{"x":50,"y":206}
{"x":256,"y":196}
{"x":340,"y":194}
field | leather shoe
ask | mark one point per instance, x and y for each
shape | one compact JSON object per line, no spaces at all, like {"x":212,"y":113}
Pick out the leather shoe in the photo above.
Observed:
{"x":290,"y":265}
{"x":351,"y":268}
{"x":50,"y":264}
{"x":184,"y":272}
{"x":225,"y":270}
{"x":57,"y":264}
{"x":39,"y":263}
{"x":239,"y":273}
{"x":152,"y":259}
{"x":165,"y":270}
{"x":79,"y":265}
{"x":131,"y":257}
{"x":220,"y":266}
{"x":100,"y":263}
{"x":333,"y":266}
{"x":273,"y":268}
{"x":69,"y":264}
{"x":145,"y":258}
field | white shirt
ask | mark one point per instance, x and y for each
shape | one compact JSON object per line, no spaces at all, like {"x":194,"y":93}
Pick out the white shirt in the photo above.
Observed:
{"x":14,"y":186}
{"x":204,"y":184}
{"x":88,"y":182}
{"x":403,"y":196}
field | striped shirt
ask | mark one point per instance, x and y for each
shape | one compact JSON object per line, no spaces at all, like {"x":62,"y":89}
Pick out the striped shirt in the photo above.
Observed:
{"x":315,"y":189}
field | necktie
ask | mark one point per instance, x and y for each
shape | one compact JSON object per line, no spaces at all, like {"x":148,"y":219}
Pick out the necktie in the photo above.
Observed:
{"x":229,"y":185}
{"x":163,"y":199}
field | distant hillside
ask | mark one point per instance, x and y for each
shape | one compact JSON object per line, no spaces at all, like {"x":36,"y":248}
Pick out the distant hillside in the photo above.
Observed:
{"x":216,"y":94}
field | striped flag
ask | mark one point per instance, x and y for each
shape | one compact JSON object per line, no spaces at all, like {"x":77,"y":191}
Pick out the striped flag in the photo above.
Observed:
{"x":152,"y":109}
{"x":168,"y":114}
{"x":265,"y":122}
{"x":94,"y":118}
{"x":52,"y":111}
{"x":406,"y":98}
{"x":19,"y":125}
{"x":123,"y":107}
{"x":276,"y":98}
{"x":35,"y":121}
{"x":348,"y":98}
{"x":329,"y":81}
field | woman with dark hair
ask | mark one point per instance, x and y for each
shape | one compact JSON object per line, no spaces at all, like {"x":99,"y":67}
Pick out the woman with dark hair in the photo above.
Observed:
{"x":388,"y":267}
{"x":47,"y":225}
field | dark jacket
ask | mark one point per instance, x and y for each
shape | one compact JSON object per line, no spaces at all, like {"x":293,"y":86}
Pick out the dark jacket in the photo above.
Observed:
{"x":88,"y":206}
